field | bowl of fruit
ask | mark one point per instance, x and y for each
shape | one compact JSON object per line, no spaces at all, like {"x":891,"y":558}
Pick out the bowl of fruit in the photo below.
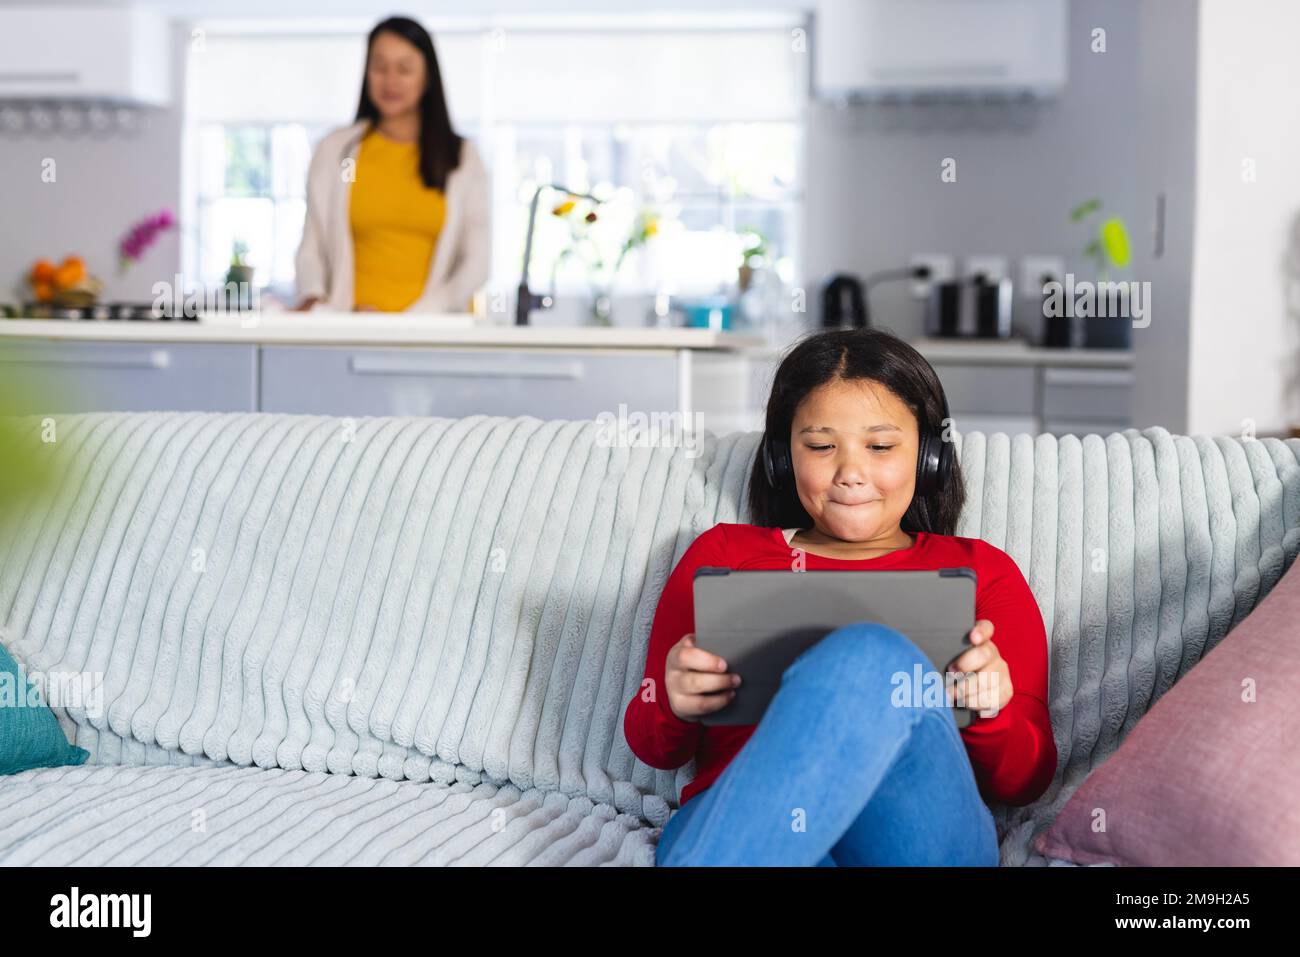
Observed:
{"x":63,"y":285}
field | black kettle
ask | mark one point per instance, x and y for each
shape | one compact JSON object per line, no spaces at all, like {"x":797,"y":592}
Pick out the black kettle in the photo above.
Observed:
{"x":844,"y":303}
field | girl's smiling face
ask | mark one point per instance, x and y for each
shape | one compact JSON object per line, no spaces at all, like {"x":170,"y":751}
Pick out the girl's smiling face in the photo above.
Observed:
{"x":853,"y":444}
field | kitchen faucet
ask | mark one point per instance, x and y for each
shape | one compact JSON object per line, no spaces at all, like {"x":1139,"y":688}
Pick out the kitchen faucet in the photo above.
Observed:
{"x":527,"y":300}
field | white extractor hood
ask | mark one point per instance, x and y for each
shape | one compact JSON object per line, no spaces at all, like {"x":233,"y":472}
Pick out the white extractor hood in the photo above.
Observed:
{"x":118,"y":54}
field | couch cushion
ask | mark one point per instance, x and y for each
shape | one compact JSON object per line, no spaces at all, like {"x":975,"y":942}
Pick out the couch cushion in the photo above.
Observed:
{"x":1208,"y":776}
{"x":221,"y":814}
{"x":30,"y":737}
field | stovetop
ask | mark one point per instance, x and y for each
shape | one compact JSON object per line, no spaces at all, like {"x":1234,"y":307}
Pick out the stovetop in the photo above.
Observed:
{"x":102,"y":311}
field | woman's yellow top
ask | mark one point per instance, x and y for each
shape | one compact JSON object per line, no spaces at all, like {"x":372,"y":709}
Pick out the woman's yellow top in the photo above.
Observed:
{"x":395,"y":222}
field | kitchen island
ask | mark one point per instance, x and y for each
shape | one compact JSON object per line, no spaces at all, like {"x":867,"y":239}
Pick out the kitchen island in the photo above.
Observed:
{"x":371,"y":365}
{"x":456,"y":365}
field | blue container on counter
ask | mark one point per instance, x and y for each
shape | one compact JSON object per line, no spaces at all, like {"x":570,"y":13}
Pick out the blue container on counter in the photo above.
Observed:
{"x":710,"y":312}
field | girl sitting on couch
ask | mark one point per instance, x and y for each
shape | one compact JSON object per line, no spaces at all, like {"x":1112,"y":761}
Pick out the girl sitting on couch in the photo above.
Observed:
{"x":856,"y":471}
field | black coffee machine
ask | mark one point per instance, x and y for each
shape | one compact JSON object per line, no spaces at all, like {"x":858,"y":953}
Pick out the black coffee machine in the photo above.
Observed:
{"x":975,"y":308}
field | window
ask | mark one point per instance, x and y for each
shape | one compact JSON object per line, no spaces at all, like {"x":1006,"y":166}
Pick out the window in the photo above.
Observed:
{"x":251,"y":194}
{"x":704,"y":185}
{"x":692,"y":124}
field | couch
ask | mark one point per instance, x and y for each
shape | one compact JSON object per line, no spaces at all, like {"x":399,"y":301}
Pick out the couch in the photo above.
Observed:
{"x":317,"y":640}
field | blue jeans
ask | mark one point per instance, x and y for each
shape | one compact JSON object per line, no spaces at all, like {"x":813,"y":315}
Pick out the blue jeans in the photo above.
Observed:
{"x":838,"y":773}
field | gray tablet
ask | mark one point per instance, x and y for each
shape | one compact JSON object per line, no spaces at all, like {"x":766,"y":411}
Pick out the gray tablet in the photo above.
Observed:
{"x":760,"y":621}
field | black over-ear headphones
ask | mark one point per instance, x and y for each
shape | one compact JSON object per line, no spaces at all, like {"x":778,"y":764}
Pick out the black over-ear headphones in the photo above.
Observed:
{"x":933,"y":459}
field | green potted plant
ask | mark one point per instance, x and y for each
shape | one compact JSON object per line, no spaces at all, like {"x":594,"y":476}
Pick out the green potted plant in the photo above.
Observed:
{"x":1107,"y":249}
{"x":753,"y":255}
{"x":240,"y":274}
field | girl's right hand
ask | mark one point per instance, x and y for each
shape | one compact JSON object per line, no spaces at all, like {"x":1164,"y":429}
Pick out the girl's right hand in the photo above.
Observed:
{"x":697,"y":680}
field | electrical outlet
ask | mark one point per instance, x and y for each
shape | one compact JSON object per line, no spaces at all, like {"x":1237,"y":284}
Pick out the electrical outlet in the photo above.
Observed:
{"x":1032,"y":271}
{"x":993,"y":267}
{"x":942,"y":268}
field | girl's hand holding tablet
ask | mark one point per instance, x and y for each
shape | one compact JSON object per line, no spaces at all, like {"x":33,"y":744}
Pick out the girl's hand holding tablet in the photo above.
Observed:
{"x":697,"y":680}
{"x":985,"y":682}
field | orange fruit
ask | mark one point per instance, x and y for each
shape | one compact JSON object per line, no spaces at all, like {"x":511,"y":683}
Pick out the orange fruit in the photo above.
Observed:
{"x":69,"y":274}
{"x":43,"y":291}
{"x":42,"y":271}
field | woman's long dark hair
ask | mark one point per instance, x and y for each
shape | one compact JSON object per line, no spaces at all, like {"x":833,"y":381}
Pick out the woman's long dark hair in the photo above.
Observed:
{"x":439,"y":143}
{"x":847,"y":354}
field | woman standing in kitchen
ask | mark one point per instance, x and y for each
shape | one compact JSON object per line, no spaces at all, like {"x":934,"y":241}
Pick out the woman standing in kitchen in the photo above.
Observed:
{"x":397,"y":202}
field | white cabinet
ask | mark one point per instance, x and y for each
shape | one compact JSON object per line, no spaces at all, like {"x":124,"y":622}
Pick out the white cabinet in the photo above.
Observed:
{"x":1088,"y":395}
{"x":69,"y":376}
{"x":699,"y":388}
{"x":119,"y":367}
{"x":364,"y":380}
{"x":1007,"y":387}
{"x":1038,"y":397}
{"x":986,"y":389}
{"x":117,"y":54}
{"x":1080,"y":401}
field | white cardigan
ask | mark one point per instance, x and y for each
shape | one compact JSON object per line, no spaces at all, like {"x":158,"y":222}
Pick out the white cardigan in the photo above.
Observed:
{"x":460,"y":262}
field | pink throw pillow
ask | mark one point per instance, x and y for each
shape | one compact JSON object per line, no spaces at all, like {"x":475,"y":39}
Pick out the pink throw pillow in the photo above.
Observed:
{"x":1210,"y":775}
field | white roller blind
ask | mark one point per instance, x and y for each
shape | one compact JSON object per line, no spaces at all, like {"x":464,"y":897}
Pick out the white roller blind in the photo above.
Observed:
{"x":515,"y":75}
{"x":646,"y":76}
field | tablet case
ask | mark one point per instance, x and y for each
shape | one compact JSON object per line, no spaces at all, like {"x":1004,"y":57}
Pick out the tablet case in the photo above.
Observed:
{"x":760,"y":621}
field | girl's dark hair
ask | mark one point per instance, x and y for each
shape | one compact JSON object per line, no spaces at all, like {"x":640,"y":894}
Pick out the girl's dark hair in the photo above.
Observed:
{"x":846,"y":354}
{"x":439,"y":143}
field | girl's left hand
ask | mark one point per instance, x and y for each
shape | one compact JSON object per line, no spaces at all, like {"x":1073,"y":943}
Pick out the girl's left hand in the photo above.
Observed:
{"x":984,"y":682}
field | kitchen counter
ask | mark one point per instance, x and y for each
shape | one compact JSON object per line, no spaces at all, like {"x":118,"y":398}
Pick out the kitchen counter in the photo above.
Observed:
{"x":1017,"y":352}
{"x":350,"y":364}
{"x":456,"y":365}
{"x":1007,"y":352}
{"x":1010,"y":385}
{"x":317,"y":328}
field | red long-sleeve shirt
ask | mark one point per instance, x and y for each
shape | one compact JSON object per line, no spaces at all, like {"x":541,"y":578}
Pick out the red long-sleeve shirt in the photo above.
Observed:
{"x":1013,"y":753}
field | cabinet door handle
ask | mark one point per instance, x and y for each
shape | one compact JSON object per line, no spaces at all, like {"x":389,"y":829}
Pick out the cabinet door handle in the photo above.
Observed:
{"x":148,"y":359}
{"x":437,"y":366}
{"x":39,"y":76}
{"x":1105,"y":377}
{"x":1158,"y":229}
{"x":1059,"y":427}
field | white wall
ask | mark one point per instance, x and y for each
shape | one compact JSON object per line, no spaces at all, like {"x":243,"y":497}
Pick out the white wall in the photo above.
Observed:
{"x":1165,"y":167}
{"x":102,"y":185}
{"x":874,"y":197}
{"x":1243,"y":346}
